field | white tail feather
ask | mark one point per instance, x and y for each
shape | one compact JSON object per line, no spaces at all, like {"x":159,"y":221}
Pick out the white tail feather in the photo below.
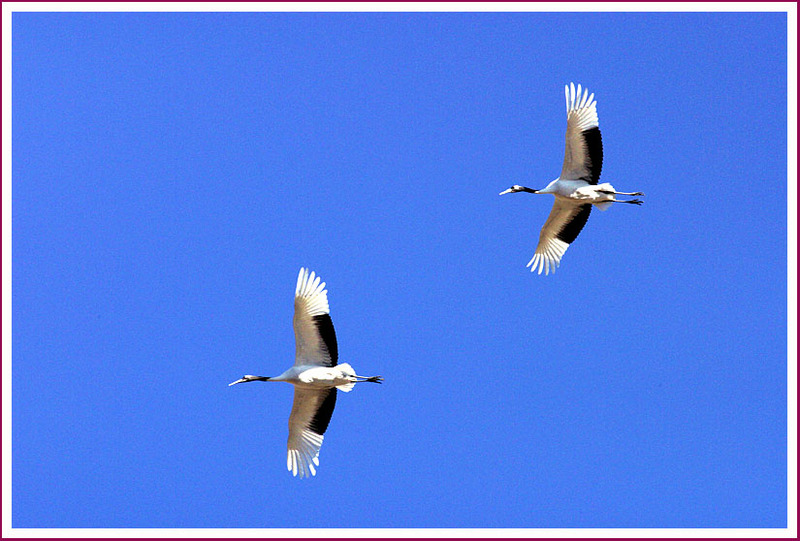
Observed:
{"x":604,"y":205}
{"x":346,"y":369}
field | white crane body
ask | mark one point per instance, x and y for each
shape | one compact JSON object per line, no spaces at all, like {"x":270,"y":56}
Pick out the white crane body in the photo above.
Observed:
{"x":580,"y":191}
{"x":319,"y":377}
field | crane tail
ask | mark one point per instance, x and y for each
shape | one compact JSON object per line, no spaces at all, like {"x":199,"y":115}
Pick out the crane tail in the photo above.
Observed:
{"x":605,"y":187}
{"x":604,"y":205}
{"x":347,"y":369}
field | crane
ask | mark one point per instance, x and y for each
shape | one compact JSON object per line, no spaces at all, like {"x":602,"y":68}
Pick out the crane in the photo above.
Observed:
{"x":576,"y":189}
{"x":316,"y":376}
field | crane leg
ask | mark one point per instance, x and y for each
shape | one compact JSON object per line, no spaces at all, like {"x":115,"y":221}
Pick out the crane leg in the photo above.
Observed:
{"x":373,"y":379}
{"x":628,"y":193}
{"x":632,"y":201}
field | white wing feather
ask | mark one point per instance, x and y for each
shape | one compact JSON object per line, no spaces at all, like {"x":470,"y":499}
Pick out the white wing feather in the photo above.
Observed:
{"x":310,"y":299}
{"x":304,"y":444}
{"x":581,"y":116}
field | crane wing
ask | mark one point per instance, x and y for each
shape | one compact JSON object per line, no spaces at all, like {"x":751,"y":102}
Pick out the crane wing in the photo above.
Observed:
{"x":583,"y":154}
{"x":311,"y":413}
{"x":561,"y":228}
{"x":314,"y":336}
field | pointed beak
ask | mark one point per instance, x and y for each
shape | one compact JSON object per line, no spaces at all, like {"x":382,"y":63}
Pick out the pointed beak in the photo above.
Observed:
{"x":238,"y":381}
{"x":507,"y":191}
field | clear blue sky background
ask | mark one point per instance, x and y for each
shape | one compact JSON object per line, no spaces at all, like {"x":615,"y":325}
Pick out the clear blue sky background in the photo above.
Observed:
{"x":172,"y":172}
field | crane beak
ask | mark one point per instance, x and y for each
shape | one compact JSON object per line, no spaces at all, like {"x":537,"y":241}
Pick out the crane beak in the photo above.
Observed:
{"x":238,"y":381}
{"x":507,"y":191}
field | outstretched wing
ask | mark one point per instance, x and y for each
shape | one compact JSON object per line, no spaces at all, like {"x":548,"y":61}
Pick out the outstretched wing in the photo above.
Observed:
{"x":561,"y":228}
{"x":583,"y":154}
{"x":311,"y":413}
{"x":314,"y":336}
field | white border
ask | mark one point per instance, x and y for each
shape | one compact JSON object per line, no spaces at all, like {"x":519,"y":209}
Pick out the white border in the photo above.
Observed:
{"x":457,"y":533}
{"x":791,"y":277}
{"x":6,"y":281}
{"x":671,"y":7}
{"x":789,"y":7}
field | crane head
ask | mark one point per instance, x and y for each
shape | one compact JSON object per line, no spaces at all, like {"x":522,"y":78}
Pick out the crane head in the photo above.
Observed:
{"x":245,"y":379}
{"x":517,"y":188}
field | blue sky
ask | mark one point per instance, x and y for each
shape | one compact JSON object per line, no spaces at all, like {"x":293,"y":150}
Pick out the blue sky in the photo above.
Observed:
{"x":172,"y":172}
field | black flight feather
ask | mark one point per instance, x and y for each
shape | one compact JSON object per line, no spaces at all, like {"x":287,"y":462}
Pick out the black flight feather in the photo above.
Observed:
{"x":325,"y":329}
{"x":571,"y":229}
{"x":319,"y":423}
{"x":594,"y":153}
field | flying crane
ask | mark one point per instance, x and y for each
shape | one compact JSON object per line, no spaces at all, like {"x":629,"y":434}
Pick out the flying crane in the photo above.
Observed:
{"x":316,"y":376}
{"x":576,"y":189}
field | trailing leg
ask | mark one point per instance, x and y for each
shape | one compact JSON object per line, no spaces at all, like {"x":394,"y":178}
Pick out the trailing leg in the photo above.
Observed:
{"x":632,"y":201}
{"x":612,"y":192}
{"x":373,"y":379}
